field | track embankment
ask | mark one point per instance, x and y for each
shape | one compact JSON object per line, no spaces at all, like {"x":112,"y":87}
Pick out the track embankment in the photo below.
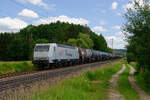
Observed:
{"x":11,"y":83}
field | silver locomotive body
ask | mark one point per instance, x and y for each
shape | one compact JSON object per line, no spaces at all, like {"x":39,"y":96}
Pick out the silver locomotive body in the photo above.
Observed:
{"x":54,"y":54}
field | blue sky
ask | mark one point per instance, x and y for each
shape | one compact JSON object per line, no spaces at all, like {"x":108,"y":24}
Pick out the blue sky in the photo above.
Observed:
{"x":102,"y":16}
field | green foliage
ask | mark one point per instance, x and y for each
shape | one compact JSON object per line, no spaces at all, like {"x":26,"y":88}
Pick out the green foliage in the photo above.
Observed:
{"x":100,"y":43}
{"x":73,"y":42}
{"x":86,"y":42}
{"x":14,"y":49}
{"x":83,"y":41}
{"x":19,"y":46}
{"x":91,"y":85}
{"x":11,"y":67}
{"x":41,"y":41}
{"x":5,"y":41}
{"x":137,"y":25}
{"x":142,"y":79}
{"x":109,"y":50}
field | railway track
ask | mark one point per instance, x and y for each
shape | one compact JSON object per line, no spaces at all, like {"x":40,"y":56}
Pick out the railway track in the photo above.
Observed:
{"x":11,"y":82}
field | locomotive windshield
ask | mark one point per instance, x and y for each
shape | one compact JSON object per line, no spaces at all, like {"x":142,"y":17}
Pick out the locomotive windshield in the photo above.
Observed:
{"x":42,"y":48}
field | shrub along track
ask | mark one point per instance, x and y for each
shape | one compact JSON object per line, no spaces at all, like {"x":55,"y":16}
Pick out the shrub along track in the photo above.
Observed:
{"x":27,"y":79}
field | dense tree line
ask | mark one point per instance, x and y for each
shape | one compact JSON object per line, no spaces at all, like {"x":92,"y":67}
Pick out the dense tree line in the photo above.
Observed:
{"x":138,"y":28}
{"x":19,"y":45}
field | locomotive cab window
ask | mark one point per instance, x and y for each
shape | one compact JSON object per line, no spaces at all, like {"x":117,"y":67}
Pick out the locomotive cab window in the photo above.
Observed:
{"x":42,"y":48}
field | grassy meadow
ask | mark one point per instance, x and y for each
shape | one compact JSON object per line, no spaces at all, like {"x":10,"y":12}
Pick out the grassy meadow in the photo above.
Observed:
{"x":11,"y":67}
{"x":91,"y":85}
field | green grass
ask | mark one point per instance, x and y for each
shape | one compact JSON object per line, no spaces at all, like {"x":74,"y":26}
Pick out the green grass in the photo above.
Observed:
{"x":142,"y":79}
{"x":143,"y":82}
{"x":133,"y":64}
{"x":91,"y":85}
{"x":10,"y":67}
{"x":125,"y":88}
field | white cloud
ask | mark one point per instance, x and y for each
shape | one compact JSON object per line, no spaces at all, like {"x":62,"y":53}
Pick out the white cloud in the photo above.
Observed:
{"x":8,"y":24}
{"x":62,"y":18}
{"x":116,"y":27}
{"x":102,"y":22}
{"x":36,"y":2}
{"x":28,"y":13}
{"x":114,"y":5}
{"x":118,"y":42}
{"x":99,"y":29}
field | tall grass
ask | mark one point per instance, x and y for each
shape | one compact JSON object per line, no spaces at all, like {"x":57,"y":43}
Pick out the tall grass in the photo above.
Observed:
{"x":10,"y":67}
{"x":125,"y":88}
{"x":91,"y":85}
{"x":142,"y":79}
{"x":134,"y":65}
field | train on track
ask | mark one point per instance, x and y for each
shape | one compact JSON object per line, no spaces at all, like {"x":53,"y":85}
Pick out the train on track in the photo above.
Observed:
{"x":49,"y":55}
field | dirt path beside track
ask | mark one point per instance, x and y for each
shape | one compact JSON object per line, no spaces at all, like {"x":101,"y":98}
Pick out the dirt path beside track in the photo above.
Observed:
{"x":143,"y":94}
{"x":114,"y":93}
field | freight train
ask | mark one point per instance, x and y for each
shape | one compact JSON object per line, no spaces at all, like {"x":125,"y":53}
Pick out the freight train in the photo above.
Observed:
{"x":57,"y":55}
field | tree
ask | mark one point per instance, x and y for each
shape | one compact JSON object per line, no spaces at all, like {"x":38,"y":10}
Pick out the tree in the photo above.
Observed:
{"x":99,"y":42}
{"x":16,"y":50}
{"x":83,"y":41}
{"x":137,"y":26}
{"x":109,"y":50}
{"x":5,"y":41}
{"x":73,"y":42}
{"x":41,"y":41}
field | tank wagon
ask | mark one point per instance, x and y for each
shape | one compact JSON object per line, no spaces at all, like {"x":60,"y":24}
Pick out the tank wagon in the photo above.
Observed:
{"x":55,"y":55}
